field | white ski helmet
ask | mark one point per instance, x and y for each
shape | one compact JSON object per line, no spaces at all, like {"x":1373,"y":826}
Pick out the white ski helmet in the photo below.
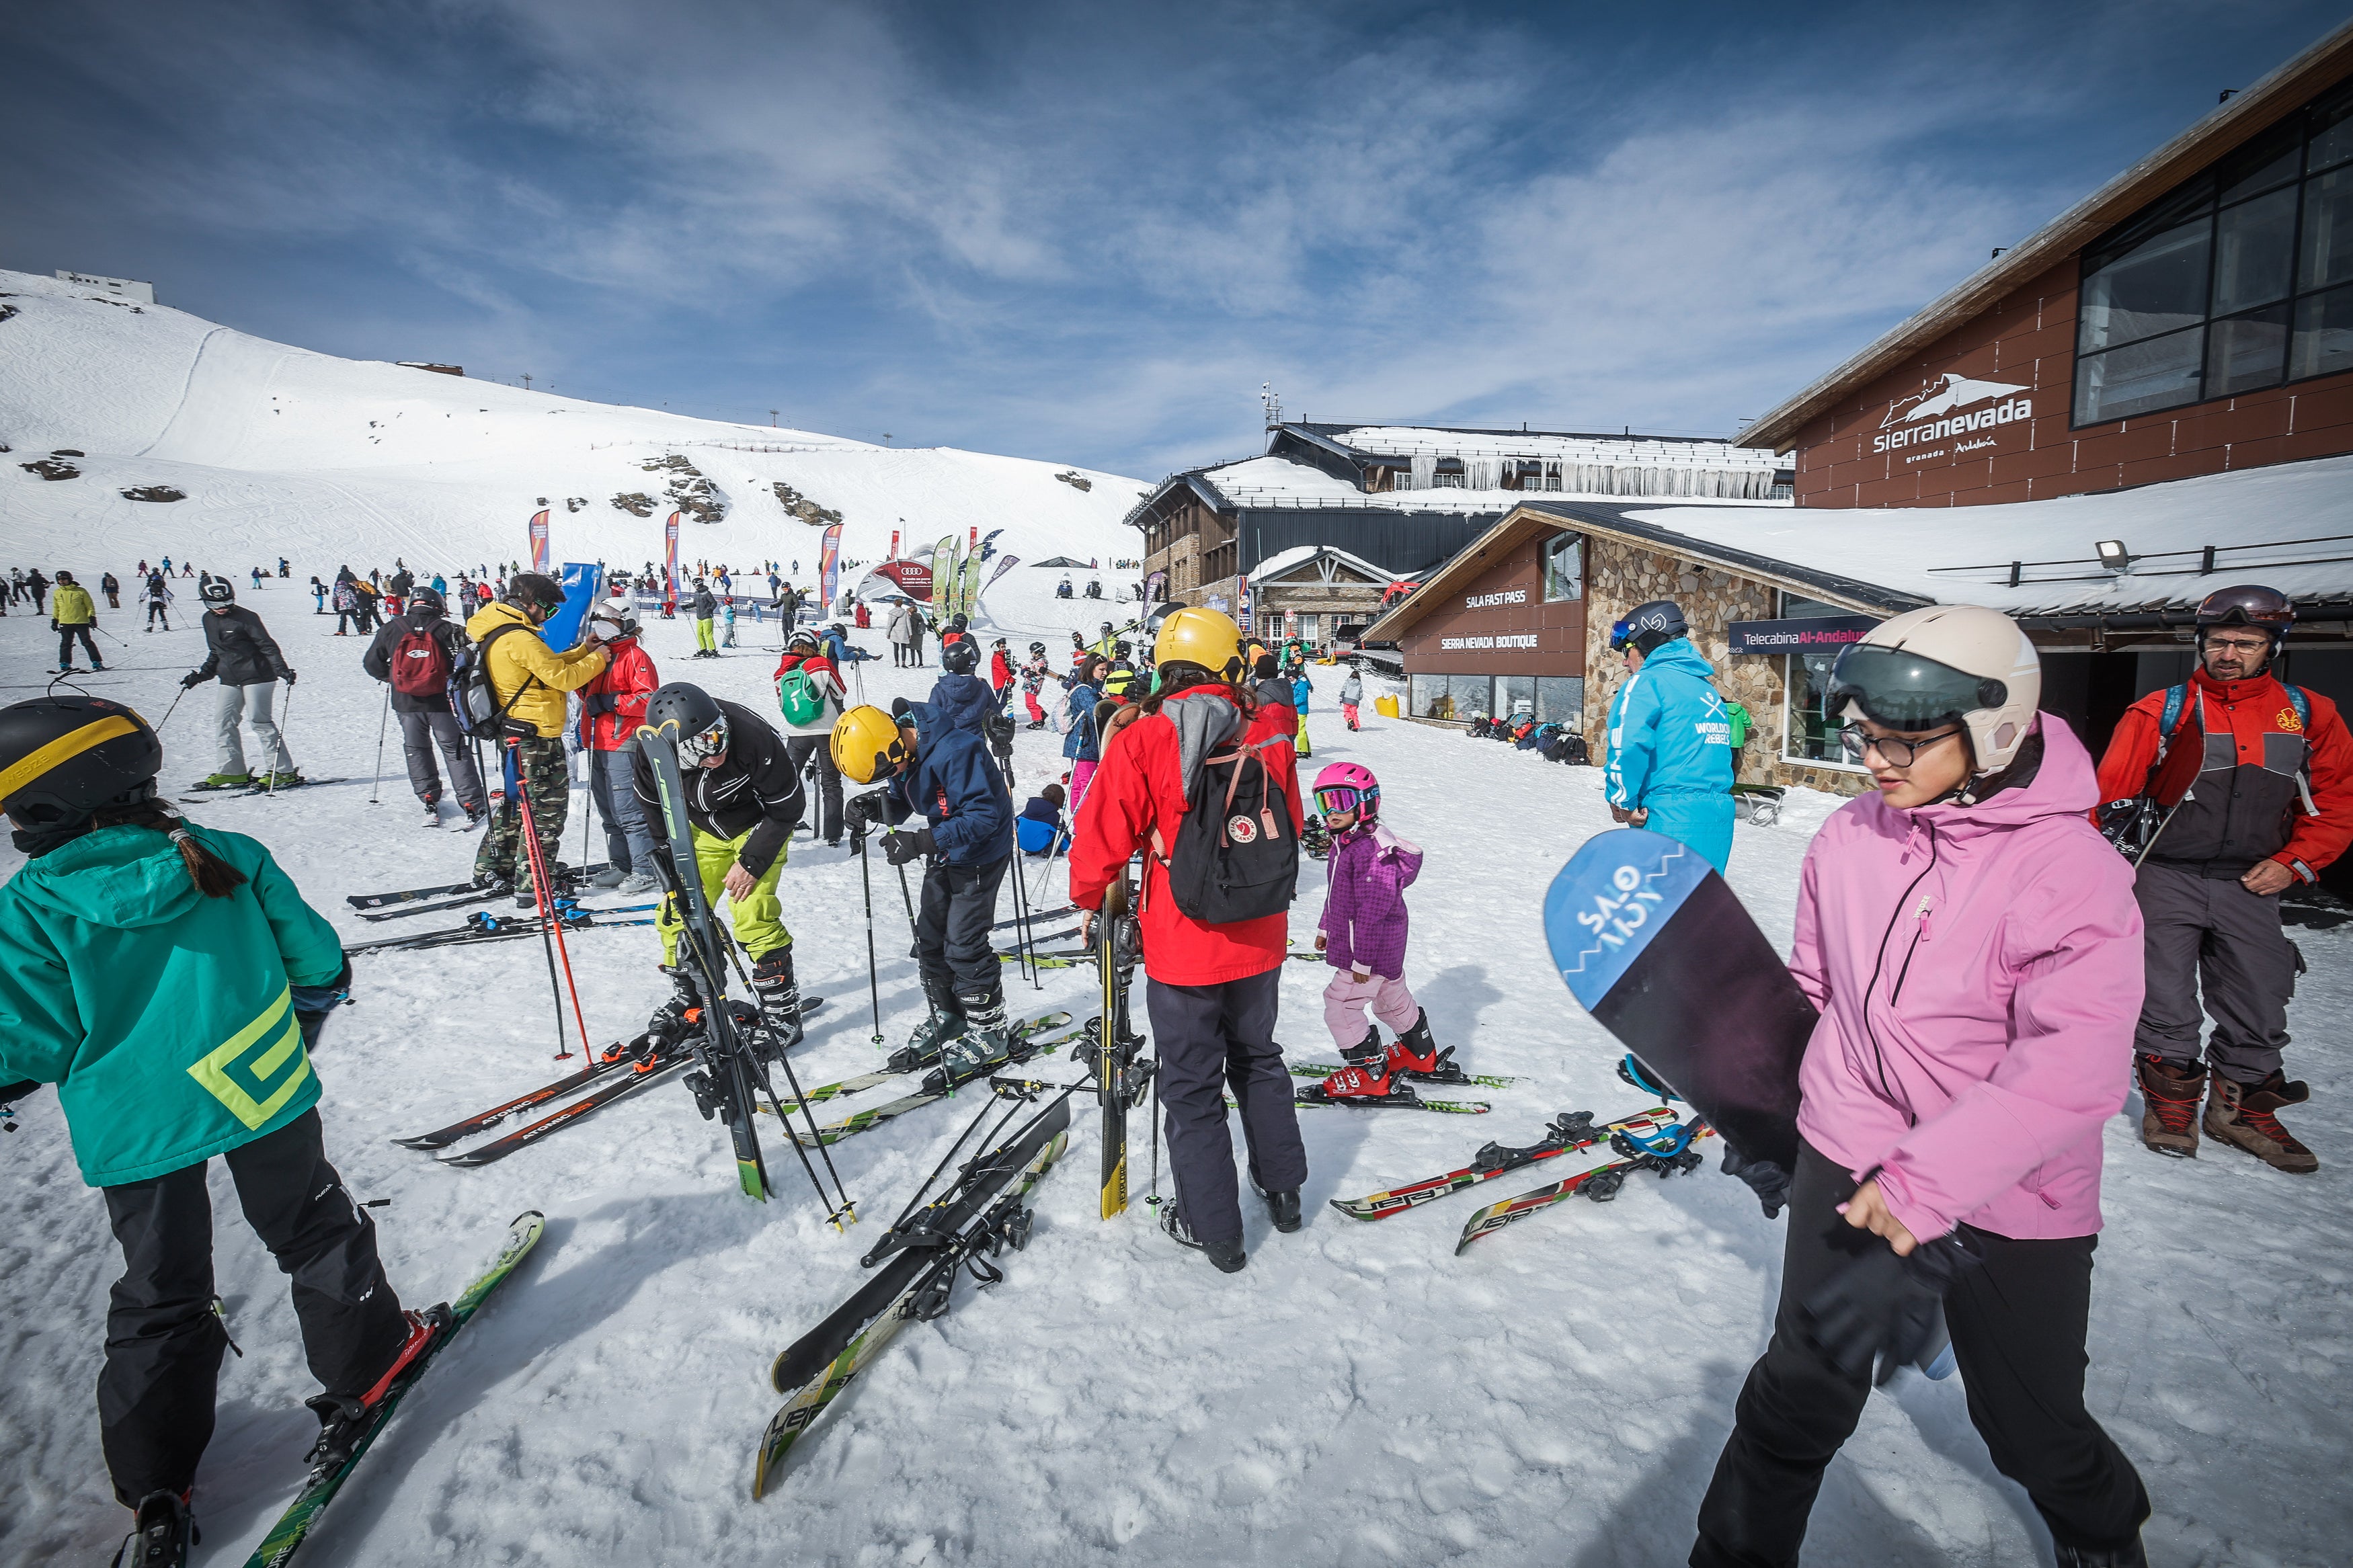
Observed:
{"x":1948,"y":664}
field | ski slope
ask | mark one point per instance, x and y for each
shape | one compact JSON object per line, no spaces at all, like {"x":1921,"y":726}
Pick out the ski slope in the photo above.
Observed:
{"x":283,"y":451}
{"x":1357,"y":1395}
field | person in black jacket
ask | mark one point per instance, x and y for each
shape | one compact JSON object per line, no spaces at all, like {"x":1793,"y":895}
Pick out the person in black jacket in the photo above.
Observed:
{"x":706,"y":607}
{"x":111,"y":586}
{"x":241,"y":652}
{"x":414,"y":654}
{"x":930,"y":765}
{"x":743,"y":799}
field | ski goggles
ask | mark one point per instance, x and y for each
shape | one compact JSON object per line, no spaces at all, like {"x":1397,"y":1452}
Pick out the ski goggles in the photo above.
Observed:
{"x":695,"y":749}
{"x":2266,"y":609}
{"x":1904,"y":691}
{"x":1334,"y":799}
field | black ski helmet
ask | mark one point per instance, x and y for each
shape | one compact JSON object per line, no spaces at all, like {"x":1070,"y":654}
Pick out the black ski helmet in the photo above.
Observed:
{"x":65,"y":755}
{"x":961,"y":657}
{"x":428,"y":603}
{"x":217,"y":592}
{"x":697,"y":716}
{"x":527,"y":591}
{"x":1646,"y":626}
{"x":1038,"y":648}
{"x":957,"y":623}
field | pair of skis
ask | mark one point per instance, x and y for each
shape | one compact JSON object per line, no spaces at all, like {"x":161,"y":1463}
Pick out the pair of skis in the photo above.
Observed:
{"x":1120,"y":1078}
{"x":1028,"y":1041}
{"x":566,"y":876}
{"x":483,"y":927}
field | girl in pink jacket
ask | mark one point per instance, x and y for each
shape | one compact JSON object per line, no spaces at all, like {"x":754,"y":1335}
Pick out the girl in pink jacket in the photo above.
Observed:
{"x":1975,"y":952}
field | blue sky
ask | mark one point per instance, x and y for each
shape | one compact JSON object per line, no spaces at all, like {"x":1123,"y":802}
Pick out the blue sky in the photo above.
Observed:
{"x":1087,"y":233}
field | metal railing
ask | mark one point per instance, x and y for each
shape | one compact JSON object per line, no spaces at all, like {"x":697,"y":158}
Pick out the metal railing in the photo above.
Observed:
{"x":2200,"y":562}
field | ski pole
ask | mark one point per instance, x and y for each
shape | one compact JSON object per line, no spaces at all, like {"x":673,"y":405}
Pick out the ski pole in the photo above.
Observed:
{"x":847,"y":1212}
{"x":283,"y":754}
{"x":908,"y":898}
{"x":545,"y":894}
{"x":382,"y":720}
{"x":169,"y":712}
{"x":873,"y":984}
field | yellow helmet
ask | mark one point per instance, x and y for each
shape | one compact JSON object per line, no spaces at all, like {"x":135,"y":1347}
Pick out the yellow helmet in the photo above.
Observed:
{"x":1205,"y":638}
{"x":866,"y":743}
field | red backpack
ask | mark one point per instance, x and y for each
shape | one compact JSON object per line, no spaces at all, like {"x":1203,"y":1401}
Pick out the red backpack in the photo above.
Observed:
{"x":420,"y":664}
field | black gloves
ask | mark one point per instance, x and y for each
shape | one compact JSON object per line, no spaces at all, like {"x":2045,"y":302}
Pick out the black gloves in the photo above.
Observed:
{"x":899,"y":706}
{"x":901,"y":848}
{"x":1765,"y":1178}
{"x":860,"y":812}
{"x":191,"y":680}
{"x":1883,"y":1307}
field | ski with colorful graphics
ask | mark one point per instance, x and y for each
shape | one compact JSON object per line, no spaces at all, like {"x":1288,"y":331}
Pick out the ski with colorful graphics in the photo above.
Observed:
{"x":619,"y":1053}
{"x":1447,"y":1072}
{"x":377,"y":900}
{"x":1664,"y":1146}
{"x":1402,"y":1099}
{"x":639,"y":1074}
{"x":930,"y":1094}
{"x":1567,"y":1132}
{"x":294,"y":1526}
{"x":907,"y":1059}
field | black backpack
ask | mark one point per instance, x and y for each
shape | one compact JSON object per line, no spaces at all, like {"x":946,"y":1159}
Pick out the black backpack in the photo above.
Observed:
{"x":1236,"y":855}
{"x":480,"y":715}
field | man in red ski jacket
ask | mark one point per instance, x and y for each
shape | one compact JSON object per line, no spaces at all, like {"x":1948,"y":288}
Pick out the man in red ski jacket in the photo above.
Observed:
{"x":2270,"y":804}
{"x":1211,"y":990}
{"x":612,"y":706}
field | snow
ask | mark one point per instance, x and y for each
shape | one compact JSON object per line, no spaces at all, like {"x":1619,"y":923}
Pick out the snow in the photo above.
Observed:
{"x":1283,"y":561}
{"x":1406,"y":440}
{"x":1357,"y":1394}
{"x":1937,"y":555}
{"x":1269,"y":482}
{"x":339,"y":462}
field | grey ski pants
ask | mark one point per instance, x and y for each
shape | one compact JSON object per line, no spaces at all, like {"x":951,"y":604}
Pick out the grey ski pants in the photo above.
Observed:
{"x":1208,"y":1038}
{"x":628,"y":836}
{"x":251,"y":705}
{"x":419,"y":734}
{"x":2216,"y":938}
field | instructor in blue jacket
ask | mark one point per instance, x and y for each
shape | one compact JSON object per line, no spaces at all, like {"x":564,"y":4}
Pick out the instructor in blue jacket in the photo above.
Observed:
{"x":1670,"y":766}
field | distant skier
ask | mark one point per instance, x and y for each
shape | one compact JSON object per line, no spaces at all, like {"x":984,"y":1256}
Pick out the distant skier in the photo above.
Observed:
{"x":1950,"y":1146}
{"x":415,"y":653}
{"x":171,"y":981}
{"x":811,"y":696}
{"x":159,"y":600}
{"x":111,"y":586}
{"x":1352,"y":692}
{"x":727,"y":621}
{"x":240,"y":651}
{"x":1301,"y":687}
{"x":1035,"y":673}
{"x":72,"y":615}
{"x":1670,"y":767}
{"x":1362,"y":935}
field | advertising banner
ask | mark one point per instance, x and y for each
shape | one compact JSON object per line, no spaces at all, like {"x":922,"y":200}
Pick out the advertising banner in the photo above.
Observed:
{"x":538,"y":541}
{"x":968,"y":591}
{"x":989,"y":545}
{"x":943,"y":575}
{"x":1242,"y":608}
{"x":670,"y":559}
{"x":912,"y":578}
{"x":1004,"y":565}
{"x":1155,"y":587}
{"x":1809,"y":636}
{"x":583,"y":583}
{"x":828,"y":564}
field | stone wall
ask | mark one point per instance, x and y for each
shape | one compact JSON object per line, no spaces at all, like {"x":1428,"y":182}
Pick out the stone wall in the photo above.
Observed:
{"x":1618,"y":576}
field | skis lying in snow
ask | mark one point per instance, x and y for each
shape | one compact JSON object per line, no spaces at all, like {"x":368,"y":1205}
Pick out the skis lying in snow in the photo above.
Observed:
{"x":1398,"y":1099}
{"x":1447,"y":1071}
{"x":327,"y":1477}
{"x":564,"y":875}
{"x":1664,"y":1146}
{"x":1569,"y":1131}
{"x":939,"y":1084}
{"x":613,"y":1057}
{"x":920,"y":1258}
{"x":907,"y":1059}
{"x":484,"y":927}
{"x":247,"y":792}
{"x":1011,"y":953}
{"x":1034,"y":916}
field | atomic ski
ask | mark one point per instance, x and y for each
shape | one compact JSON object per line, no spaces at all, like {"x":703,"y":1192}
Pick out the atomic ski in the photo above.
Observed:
{"x":931,"y":1093}
{"x":1665,"y":1147}
{"x":1568,"y":1132}
{"x":613,"y":1056}
{"x":294,"y":1526}
{"x":920,"y":1259}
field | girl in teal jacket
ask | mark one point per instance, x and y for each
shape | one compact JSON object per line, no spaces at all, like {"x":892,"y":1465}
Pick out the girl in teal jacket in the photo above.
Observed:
{"x":169,"y":980}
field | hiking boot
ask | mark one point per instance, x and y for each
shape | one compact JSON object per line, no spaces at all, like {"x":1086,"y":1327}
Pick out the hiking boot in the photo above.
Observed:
{"x":161,"y":1534}
{"x":1368,"y":1073}
{"x":224,"y":781}
{"x":2241,"y":1115}
{"x":2169,"y":1094}
{"x":1227,"y":1256}
{"x":779,"y":997}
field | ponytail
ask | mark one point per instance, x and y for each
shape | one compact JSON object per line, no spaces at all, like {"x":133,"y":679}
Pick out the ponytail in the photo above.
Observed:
{"x":213,"y":877}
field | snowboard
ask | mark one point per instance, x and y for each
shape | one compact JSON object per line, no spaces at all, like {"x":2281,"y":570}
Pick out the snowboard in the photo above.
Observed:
{"x":1654,"y":944}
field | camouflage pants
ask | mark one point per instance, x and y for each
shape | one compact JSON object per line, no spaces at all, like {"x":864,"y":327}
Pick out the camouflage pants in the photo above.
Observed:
{"x":546,"y":779}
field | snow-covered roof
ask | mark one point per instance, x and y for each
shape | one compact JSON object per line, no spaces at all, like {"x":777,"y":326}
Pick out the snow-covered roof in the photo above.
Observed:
{"x":1275,"y":565}
{"x":1409,"y":440}
{"x":1268,"y":483}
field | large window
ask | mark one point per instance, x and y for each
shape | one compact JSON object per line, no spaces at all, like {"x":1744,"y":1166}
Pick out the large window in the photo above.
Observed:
{"x":2240,"y":280}
{"x":1808,"y":734}
{"x":1561,"y":699}
{"x":1456,"y":697}
{"x":1564,"y":568}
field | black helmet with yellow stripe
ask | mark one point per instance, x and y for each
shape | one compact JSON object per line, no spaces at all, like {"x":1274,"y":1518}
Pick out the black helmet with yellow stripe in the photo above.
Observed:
{"x":67,"y":755}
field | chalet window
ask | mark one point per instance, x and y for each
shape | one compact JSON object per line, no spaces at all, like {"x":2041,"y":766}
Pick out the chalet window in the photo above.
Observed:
{"x":1564,"y":568}
{"x":2238,"y":280}
{"x":1560,"y":699}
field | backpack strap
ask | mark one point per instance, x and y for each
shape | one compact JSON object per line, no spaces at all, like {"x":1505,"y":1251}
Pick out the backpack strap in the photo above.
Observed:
{"x":2177,"y":697}
{"x":528,"y":678}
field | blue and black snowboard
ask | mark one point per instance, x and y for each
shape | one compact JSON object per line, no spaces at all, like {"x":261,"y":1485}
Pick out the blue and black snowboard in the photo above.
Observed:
{"x":1652,"y":943}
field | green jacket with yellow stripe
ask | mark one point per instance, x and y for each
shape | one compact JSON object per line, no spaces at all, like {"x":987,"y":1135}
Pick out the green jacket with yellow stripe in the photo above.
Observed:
{"x":164,"y":1017}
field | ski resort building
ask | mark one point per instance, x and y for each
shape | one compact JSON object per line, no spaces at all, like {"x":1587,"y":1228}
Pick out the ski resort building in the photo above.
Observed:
{"x":1404,"y":499}
{"x":2193,"y":316}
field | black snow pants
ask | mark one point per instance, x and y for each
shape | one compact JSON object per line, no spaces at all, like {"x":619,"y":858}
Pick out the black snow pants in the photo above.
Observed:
{"x":65,"y":636}
{"x":828,"y":780}
{"x":163,"y":1345}
{"x":1210,"y":1038}
{"x":2018,"y":1324}
{"x":951,"y":926}
{"x":2211,"y":935}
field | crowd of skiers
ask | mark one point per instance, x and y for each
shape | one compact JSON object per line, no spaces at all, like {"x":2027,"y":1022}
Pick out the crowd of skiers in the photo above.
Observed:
{"x":1949,"y":1149}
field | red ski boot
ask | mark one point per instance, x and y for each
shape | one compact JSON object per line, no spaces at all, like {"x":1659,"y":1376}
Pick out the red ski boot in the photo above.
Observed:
{"x":1369,"y":1073}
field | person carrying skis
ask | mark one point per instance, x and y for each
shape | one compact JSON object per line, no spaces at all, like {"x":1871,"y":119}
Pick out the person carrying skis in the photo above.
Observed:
{"x":744,"y":798}
{"x":928,"y":765}
{"x":1951,"y":1148}
{"x":171,"y":981}
{"x":1362,"y":934}
{"x":1670,"y":767}
{"x":529,"y":680}
{"x":415,"y":653}
{"x":2259,"y":779}
{"x":241,"y":651}
{"x":1352,"y":692}
{"x":1212,"y":985}
{"x":612,"y":707}
{"x":72,"y":615}
{"x":706,"y":607}
{"x":811,"y":696}
{"x":159,"y":600}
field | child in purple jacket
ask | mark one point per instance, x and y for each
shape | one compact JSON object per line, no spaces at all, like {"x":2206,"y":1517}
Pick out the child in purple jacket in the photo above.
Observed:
{"x":1362,"y":935}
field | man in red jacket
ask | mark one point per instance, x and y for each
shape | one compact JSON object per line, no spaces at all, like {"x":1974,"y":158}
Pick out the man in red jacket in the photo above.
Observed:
{"x":1212,"y":989}
{"x":612,"y":706}
{"x":2269,"y":804}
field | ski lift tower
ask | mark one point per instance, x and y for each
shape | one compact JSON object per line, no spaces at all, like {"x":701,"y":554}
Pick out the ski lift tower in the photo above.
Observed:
{"x":1272,"y":402}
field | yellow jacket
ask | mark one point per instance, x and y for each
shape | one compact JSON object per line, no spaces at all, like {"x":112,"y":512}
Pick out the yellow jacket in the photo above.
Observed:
{"x":71,"y":607}
{"x":514,"y":657}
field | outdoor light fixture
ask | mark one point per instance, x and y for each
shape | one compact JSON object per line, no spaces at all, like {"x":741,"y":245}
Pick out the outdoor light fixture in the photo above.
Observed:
{"x":2114,"y":556}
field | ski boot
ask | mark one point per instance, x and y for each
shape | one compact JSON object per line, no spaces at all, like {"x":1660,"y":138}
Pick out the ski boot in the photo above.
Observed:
{"x":2243,"y":1116}
{"x":779,"y":997}
{"x":946,"y":1023}
{"x":224,"y":781}
{"x":981,"y":1048}
{"x":1282,"y":1208}
{"x":610,"y":877}
{"x":161,"y":1534}
{"x":1227,"y":1256}
{"x":287,"y":780}
{"x":637,"y":882}
{"x":671,"y":1020}
{"x":1369,"y":1074}
{"x":1416,"y":1055}
{"x":2130,"y":1556}
{"x":475,"y":816}
{"x":343,"y":1421}
{"x":2169,"y":1094}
